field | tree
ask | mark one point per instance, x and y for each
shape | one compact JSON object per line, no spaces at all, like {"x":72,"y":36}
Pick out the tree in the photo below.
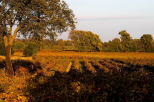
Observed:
{"x":146,"y":41}
{"x":30,"y":18}
{"x":19,"y":45}
{"x":126,"y":41}
{"x":86,"y":40}
{"x":113,"y":46}
{"x":152,"y":45}
{"x":30,"y":49}
{"x":61,"y":44}
{"x":136,"y":45}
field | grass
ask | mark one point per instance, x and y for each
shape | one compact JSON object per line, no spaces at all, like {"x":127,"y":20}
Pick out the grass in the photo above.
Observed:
{"x":124,"y":55}
{"x":17,"y":58}
{"x":109,"y":55}
{"x":80,"y":76}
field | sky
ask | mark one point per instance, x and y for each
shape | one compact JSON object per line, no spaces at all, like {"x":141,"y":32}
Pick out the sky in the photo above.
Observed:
{"x":107,"y":17}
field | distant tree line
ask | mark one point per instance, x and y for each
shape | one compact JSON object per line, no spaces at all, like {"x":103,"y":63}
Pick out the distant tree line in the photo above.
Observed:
{"x":85,"y":41}
{"x":127,"y":44}
{"x":88,"y":41}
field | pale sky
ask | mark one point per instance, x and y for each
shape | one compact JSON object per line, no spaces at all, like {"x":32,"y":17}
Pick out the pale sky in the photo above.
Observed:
{"x":108,"y":17}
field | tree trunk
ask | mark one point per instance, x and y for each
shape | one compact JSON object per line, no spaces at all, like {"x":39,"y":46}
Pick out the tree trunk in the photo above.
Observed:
{"x":8,"y":42}
{"x":9,"y":67}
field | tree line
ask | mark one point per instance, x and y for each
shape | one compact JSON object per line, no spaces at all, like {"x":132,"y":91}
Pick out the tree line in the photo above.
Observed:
{"x":127,"y":44}
{"x":86,"y":41}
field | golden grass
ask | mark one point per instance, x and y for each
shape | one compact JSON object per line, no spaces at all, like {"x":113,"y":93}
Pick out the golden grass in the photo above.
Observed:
{"x":69,"y":67}
{"x":17,"y":58}
{"x":123,"y":55}
{"x":18,"y":53}
{"x":14,"y":88}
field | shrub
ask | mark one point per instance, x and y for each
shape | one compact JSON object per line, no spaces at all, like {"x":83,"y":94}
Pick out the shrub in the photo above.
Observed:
{"x":31,"y":49}
{"x":19,"y":45}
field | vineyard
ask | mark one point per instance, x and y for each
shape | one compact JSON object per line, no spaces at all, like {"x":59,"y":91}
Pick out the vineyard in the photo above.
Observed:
{"x":79,"y":79}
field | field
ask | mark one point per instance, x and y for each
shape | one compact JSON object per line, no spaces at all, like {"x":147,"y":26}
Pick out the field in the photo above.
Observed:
{"x":79,"y":77}
{"x":124,"y":55}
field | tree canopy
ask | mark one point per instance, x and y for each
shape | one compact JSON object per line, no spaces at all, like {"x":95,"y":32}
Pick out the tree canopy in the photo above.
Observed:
{"x":45,"y":17}
{"x":86,"y":40}
{"x":146,"y":41}
{"x":127,"y":44}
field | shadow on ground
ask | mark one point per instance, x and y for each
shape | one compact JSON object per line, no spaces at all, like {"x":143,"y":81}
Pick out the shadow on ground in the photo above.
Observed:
{"x":29,"y":65}
{"x":115,"y":86}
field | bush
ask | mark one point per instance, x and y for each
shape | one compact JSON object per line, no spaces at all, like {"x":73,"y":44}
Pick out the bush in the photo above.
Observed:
{"x":31,"y":49}
{"x":19,"y":45}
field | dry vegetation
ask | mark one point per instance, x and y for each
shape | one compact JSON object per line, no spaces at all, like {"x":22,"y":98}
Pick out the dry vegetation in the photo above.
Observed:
{"x":123,"y":55}
{"x":80,"y":77}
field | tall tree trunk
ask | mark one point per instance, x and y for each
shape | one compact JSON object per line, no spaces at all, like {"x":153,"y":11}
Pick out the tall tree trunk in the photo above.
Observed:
{"x":9,"y":67}
{"x":8,"y":42}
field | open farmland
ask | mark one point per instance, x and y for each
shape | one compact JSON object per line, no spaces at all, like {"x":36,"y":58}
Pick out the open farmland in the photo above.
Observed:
{"x":141,"y":59}
{"x":96,"y":79}
{"x":80,"y":76}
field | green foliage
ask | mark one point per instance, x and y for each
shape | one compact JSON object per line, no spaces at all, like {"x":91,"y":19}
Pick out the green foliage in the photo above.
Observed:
{"x":152,"y":45}
{"x":35,"y":19}
{"x":19,"y":45}
{"x":39,"y":18}
{"x":146,"y":41}
{"x":127,"y":44}
{"x":31,"y":49}
{"x":136,"y":45}
{"x":86,"y":41}
{"x":113,"y":46}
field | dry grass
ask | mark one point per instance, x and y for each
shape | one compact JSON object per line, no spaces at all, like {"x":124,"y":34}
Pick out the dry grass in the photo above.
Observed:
{"x":50,"y":64}
{"x":19,"y":87}
{"x":114,"y":55}
{"x":18,"y":53}
{"x":124,"y":55}
{"x":17,"y":58}
{"x":13,"y":87}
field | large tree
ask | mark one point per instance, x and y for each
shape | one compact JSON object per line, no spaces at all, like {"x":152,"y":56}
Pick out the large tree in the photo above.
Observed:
{"x":86,"y":40}
{"x":126,"y":40}
{"x":30,"y":18}
{"x":146,"y":41}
